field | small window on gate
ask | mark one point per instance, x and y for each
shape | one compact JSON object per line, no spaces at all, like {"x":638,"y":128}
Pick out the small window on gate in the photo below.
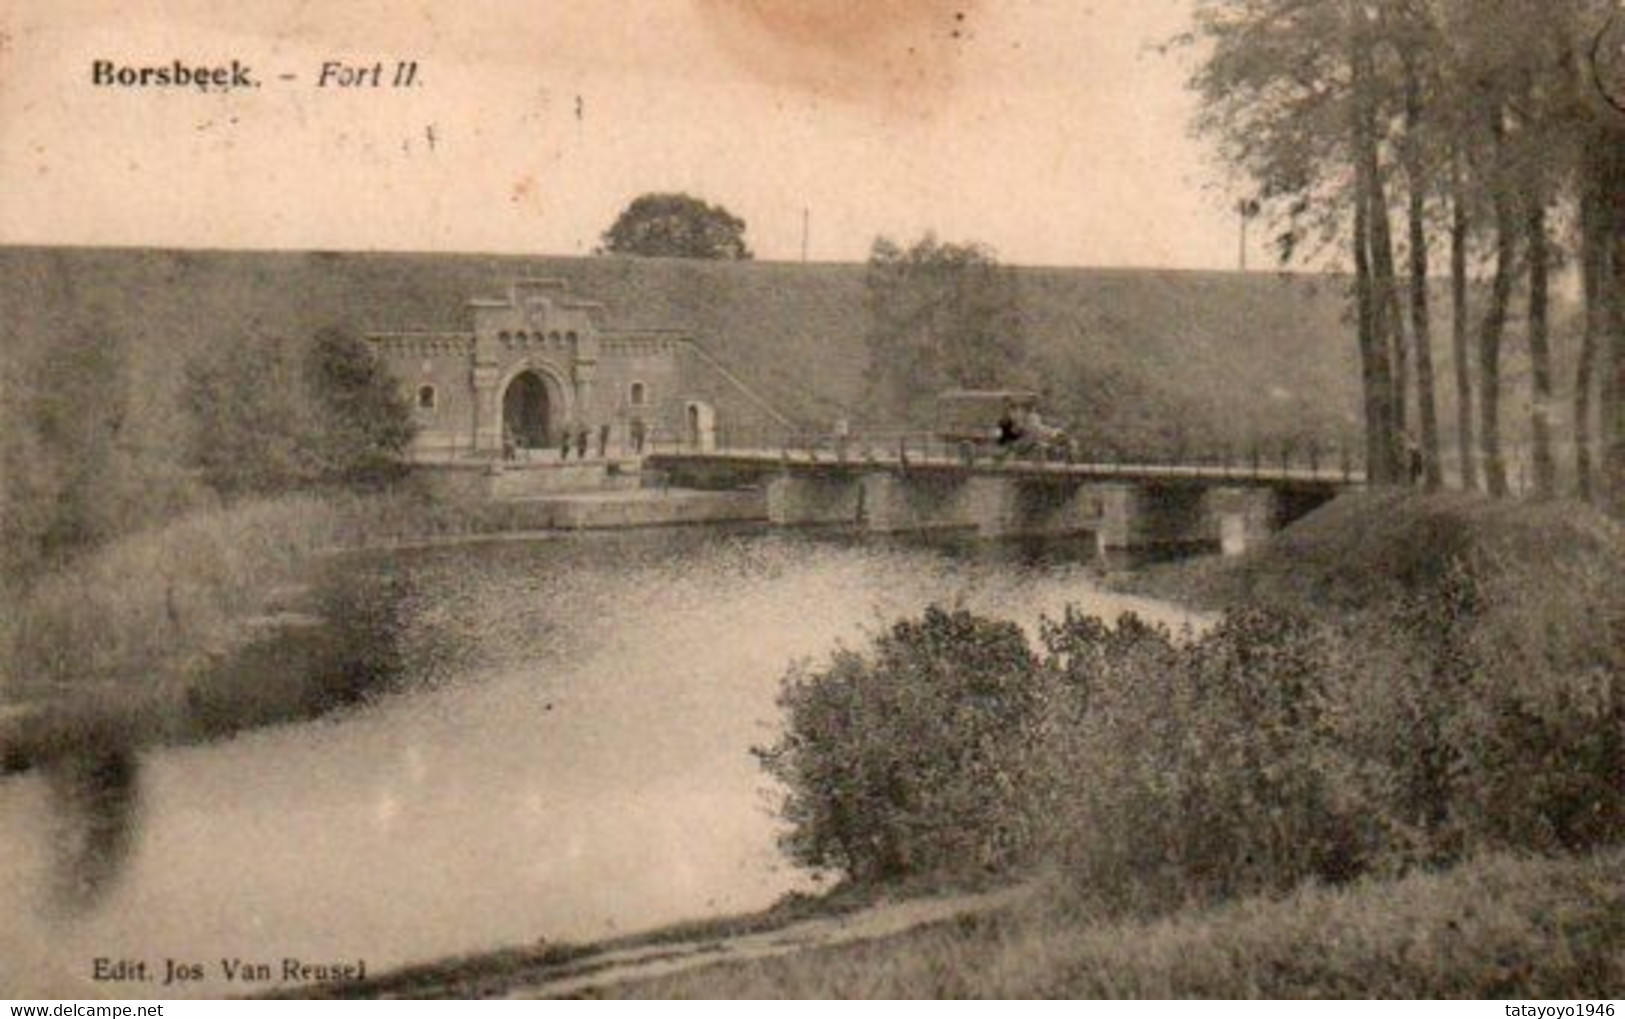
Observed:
{"x":426,"y":397}
{"x":639,"y":393}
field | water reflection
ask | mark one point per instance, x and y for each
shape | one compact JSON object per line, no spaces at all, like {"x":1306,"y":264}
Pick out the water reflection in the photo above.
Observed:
{"x":346,"y":645}
{"x":95,"y":796}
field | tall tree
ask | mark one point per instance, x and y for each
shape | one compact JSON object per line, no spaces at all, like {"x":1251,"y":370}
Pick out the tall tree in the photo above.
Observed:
{"x":940,"y":315}
{"x":1540,"y":351}
{"x":1601,"y":169}
{"x":1290,"y":92}
{"x":1418,"y":184}
{"x":1386,"y":416}
{"x":1604,"y":169}
{"x":1593,"y":268}
{"x":1493,"y":326}
{"x":1459,"y":313}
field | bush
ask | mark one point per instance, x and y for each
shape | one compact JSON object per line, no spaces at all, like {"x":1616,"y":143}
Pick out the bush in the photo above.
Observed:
{"x":1516,"y":675}
{"x":1484,"y":714}
{"x":1196,"y":771}
{"x":909,"y":760}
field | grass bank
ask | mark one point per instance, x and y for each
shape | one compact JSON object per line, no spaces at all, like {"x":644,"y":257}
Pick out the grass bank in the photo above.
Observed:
{"x":105,"y":650}
{"x":1368,"y":549}
{"x":1493,"y":927}
{"x":187,"y":630}
{"x":175,"y":633}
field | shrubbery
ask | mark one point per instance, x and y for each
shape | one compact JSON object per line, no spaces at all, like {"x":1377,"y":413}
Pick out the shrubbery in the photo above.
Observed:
{"x":273,"y":416}
{"x":909,"y":759}
{"x":1485,"y":713}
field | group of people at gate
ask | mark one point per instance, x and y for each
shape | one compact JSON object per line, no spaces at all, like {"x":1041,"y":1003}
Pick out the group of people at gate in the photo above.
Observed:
{"x":579,"y":440}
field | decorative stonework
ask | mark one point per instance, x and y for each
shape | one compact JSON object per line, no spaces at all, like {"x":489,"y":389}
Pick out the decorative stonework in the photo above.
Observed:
{"x":532,"y":364}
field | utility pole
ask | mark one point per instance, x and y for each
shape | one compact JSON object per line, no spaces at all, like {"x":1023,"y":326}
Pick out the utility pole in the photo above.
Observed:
{"x":1246,"y":209}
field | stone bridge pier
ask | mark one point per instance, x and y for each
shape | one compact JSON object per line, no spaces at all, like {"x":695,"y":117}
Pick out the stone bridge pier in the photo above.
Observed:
{"x":898,"y":502}
{"x":1005,"y":507}
{"x":1125,"y":517}
{"x":802,"y":499}
{"x":1181,"y":517}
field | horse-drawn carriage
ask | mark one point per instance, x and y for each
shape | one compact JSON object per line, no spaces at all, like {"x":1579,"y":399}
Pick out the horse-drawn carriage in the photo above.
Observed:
{"x":999,"y":423}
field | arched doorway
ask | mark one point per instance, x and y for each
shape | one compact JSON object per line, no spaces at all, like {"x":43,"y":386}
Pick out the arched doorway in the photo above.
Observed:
{"x":701,"y":426}
{"x":527,"y":411}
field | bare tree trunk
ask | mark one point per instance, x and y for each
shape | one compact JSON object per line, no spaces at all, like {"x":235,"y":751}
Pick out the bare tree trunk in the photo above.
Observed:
{"x":1612,"y":275}
{"x":1603,"y":252}
{"x":1376,"y":382}
{"x":1584,"y":372}
{"x":1372,"y":302}
{"x":1540,"y":349}
{"x":1458,"y":332}
{"x":1399,"y":348}
{"x":1390,"y":320}
{"x":1489,"y":340}
{"x":1421,"y":326}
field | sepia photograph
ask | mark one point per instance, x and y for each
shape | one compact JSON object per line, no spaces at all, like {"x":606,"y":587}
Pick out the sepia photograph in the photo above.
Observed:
{"x":882,"y":499}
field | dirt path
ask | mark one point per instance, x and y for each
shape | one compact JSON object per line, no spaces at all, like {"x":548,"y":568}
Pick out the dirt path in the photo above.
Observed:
{"x":618,"y":966}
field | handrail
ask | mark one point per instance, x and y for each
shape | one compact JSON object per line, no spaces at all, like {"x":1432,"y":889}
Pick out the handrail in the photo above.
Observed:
{"x":750,"y":394}
{"x":907,"y":450}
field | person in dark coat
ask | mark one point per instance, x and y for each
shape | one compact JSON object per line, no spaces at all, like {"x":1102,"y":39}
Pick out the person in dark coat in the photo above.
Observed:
{"x":1009,"y":431}
{"x":1413,"y":460}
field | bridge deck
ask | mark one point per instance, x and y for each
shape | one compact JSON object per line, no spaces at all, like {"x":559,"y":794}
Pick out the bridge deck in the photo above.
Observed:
{"x":768,"y":460}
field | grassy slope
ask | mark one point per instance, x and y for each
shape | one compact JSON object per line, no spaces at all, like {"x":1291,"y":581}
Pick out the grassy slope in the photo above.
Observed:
{"x":1365,"y":548}
{"x":1238,"y":350}
{"x":104,"y":651}
{"x":1494,"y":928}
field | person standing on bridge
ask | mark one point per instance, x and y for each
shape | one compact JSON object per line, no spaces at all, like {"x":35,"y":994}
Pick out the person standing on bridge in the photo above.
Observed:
{"x":564,"y":444}
{"x":1413,"y":460}
{"x":1009,"y":431}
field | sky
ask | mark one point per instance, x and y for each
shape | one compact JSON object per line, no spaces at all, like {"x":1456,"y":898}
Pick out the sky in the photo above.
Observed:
{"x":1052,"y":130}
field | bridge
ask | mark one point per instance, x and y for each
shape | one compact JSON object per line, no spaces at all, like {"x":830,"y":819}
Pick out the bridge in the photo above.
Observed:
{"x":904,"y":483}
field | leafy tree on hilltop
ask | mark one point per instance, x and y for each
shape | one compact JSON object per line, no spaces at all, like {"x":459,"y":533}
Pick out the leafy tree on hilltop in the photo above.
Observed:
{"x":676,"y":226}
{"x":940,"y":315}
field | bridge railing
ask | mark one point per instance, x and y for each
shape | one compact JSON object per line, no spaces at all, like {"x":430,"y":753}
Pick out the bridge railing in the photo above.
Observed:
{"x":1274,"y":460}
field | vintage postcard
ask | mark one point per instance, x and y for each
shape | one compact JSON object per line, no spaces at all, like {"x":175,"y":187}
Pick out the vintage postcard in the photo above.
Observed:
{"x":812,"y":498}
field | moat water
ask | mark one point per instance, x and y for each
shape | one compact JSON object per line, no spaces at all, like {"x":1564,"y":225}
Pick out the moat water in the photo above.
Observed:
{"x":561,"y":752}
